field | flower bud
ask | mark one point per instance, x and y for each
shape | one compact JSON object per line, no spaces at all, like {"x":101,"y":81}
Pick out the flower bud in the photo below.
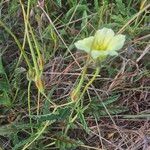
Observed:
{"x":74,"y":95}
{"x":39,"y":84}
{"x":41,"y":63}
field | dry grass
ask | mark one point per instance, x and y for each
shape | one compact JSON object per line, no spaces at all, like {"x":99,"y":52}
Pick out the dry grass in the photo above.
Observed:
{"x":115,"y":107}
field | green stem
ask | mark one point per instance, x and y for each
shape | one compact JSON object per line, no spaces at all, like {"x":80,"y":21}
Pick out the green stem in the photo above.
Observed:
{"x":55,"y":106}
{"x":39,"y":133}
{"x":72,"y":119}
{"x":29,"y":41}
{"x":90,"y":82}
{"x":18,"y":44}
{"x":78,"y":88}
{"x":35,"y":42}
{"x":38,"y":104}
{"x":29,"y":104}
{"x":28,"y":9}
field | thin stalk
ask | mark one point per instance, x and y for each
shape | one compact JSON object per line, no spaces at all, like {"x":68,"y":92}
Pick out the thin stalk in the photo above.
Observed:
{"x":55,"y":106}
{"x":38,"y":135}
{"x":32,"y":53}
{"x":29,"y":103}
{"x":38,"y":103}
{"x":15,"y":96}
{"x":29,"y":41}
{"x":91,"y":81}
{"x":20,"y":57}
{"x":78,"y":88}
{"x":28,"y":9}
{"x":18,"y":44}
{"x":35,"y":42}
{"x":133,"y":18}
{"x":23,"y":45}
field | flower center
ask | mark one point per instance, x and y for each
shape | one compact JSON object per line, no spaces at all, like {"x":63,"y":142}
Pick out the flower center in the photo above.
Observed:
{"x":99,"y":46}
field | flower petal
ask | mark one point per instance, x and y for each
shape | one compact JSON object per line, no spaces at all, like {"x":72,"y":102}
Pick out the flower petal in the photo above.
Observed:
{"x":112,"y":53}
{"x":103,"y":53}
{"x":117,"y":42}
{"x":102,"y":38}
{"x":96,"y":54}
{"x":85,"y":44}
{"x":108,"y":36}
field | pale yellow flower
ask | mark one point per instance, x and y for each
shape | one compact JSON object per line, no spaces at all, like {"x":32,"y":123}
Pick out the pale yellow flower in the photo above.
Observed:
{"x":103,"y":43}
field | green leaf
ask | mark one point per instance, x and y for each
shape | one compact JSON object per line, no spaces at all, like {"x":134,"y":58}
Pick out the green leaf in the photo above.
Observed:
{"x":4,"y":86}
{"x":16,"y":82}
{"x":59,"y":2}
{"x":110,"y":100}
{"x":85,"y":20}
{"x":113,"y":111}
{"x":47,"y":104}
{"x":4,"y":83}
{"x":80,"y":8}
{"x":97,"y":108}
{"x":83,"y":121}
{"x":13,"y":7}
{"x":96,"y":5}
{"x":106,"y":102}
{"x":121,"y":6}
{"x":64,"y":142}
{"x":60,"y":114}
{"x":23,"y":142}
{"x":14,"y":128}
{"x":2,"y":71}
{"x":4,"y":99}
